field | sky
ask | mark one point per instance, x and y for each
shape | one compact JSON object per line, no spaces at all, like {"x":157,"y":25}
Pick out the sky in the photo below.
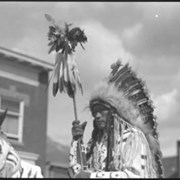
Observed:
{"x":145,"y":34}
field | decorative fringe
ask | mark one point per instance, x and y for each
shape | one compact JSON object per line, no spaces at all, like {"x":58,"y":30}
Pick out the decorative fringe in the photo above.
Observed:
{"x":131,"y":148}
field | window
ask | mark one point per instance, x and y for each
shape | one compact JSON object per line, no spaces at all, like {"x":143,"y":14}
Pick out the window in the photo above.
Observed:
{"x":13,"y":124}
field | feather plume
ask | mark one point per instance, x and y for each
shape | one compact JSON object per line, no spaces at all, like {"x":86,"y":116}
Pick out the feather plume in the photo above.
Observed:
{"x":56,"y":73}
{"x":66,"y":75}
{"x":63,"y":41}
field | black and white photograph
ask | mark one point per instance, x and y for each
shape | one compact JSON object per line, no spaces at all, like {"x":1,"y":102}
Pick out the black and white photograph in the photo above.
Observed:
{"x":89,"y":89}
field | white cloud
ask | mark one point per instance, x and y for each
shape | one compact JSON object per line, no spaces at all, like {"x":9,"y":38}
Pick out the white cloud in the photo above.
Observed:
{"x":28,"y":45}
{"x":130,"y":35}
{"x":168,"y":140}
{"x":103,"y":47}
{"x":35,"y":45}
{"x":167,"y":105}
{"x":168,"y":112}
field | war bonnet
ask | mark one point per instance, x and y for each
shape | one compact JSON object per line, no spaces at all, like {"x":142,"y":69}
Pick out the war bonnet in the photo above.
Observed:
{"x":128,"y":95}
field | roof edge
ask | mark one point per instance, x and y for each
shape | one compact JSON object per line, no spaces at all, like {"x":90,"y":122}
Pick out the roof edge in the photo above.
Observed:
{"x":26,"y":58}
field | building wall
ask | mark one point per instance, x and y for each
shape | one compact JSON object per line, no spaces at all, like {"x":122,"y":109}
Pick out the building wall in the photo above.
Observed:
{"x":35,"y":110}
{"x":57,"y":172}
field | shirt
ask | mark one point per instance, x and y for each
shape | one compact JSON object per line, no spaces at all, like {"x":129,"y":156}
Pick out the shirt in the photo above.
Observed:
{"x":132,"y":157}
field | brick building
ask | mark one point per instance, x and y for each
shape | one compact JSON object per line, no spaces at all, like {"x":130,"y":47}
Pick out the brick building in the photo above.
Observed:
{"x":23,"y":82}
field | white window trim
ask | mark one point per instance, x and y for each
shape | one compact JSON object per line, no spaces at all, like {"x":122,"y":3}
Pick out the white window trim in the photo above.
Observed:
{"x":21,"y":117}
{"x":19,"y":136}
{"x":12,"y":93}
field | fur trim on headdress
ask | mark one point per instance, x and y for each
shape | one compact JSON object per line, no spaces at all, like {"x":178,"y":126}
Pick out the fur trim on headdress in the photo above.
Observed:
{"x":116,"y":98}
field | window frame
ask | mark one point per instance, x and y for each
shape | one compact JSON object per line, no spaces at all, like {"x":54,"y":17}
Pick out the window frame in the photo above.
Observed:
{"x":19,"y":136}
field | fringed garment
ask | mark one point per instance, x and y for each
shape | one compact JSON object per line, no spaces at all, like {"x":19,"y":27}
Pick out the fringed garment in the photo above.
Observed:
{"x":11,"y":166}
{"x":131,"y":155}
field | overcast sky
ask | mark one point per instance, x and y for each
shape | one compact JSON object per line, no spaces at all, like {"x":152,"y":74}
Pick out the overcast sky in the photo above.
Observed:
{"x":145,"y":34}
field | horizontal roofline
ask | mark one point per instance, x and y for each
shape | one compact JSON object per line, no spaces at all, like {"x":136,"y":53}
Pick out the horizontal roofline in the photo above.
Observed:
{"x":26,"y":58}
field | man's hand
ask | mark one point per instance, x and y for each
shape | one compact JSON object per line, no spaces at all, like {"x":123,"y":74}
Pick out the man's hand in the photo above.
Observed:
{"x":78,"y":129}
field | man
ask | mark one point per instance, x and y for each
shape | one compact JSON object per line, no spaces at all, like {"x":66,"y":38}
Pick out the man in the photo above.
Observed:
{"x":124,"y":142}
{"x":11,"y":165}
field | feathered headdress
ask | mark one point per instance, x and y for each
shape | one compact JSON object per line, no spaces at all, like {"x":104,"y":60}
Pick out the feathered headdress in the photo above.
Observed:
{"x":127,"y":93}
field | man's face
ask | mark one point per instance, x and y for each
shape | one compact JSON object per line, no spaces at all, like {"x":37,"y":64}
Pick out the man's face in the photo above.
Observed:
{"x":100,"y":114}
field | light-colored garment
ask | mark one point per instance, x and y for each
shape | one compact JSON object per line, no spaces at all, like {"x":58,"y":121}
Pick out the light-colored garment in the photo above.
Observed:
{"x":28,"y":171}
{"x":11,"y":166}
{"x":131,"y":157}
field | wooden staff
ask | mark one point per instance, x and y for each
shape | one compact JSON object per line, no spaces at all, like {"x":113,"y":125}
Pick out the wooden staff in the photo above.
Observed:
{"x":63,"y":41}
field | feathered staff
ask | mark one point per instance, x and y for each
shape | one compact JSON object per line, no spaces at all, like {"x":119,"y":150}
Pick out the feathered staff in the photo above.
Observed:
{"x":63,"y":41}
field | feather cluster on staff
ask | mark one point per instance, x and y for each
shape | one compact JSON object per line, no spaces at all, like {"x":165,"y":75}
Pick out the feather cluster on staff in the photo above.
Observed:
{"x":63,"y":41}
